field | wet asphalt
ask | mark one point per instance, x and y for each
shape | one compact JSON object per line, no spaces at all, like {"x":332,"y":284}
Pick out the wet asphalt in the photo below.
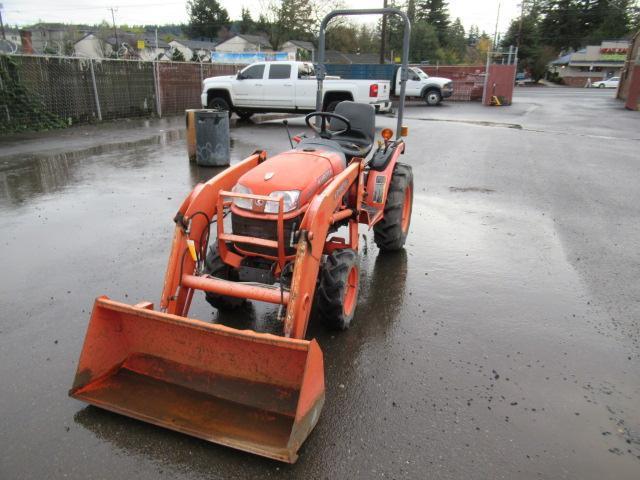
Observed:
{"x":502,"y":342}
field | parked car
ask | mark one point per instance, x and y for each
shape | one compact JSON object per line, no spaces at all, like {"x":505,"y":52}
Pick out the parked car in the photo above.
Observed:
{"x":288,"y":87}
{"x":522,"y":78}
{"x":609,"y":83}
{"x":431,"y":89}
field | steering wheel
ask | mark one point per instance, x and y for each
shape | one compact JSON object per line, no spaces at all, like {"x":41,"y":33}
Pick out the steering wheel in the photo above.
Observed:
{"x":323,"y":131}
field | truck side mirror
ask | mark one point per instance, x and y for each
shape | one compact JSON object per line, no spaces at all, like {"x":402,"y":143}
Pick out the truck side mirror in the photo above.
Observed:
{"x":240,"y":76}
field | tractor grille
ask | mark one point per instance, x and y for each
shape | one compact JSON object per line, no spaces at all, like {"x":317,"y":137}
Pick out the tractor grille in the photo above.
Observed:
{"x":267,"y":229}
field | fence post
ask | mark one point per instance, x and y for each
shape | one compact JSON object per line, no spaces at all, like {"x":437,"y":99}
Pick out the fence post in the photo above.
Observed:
{"x":95,"y":90}
{"x":156,"y":86}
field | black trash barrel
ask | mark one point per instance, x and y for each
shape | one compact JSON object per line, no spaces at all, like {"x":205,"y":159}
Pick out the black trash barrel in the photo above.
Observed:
{"x":212,"y":138}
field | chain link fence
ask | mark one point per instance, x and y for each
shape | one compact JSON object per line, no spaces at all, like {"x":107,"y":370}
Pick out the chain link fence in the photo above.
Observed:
{"x":42,"y":92}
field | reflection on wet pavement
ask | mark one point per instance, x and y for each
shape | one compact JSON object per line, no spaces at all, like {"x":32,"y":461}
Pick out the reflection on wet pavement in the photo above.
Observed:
{"x":476,"y":352}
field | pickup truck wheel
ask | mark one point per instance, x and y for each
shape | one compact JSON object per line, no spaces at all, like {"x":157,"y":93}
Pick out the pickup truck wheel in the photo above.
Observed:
{"x":331,"y":106}
{"x":220,"y":104}
{"x":432,"y":97}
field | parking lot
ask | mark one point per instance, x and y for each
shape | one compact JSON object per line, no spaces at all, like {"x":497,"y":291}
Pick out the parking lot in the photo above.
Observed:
{"x":501,"y":343}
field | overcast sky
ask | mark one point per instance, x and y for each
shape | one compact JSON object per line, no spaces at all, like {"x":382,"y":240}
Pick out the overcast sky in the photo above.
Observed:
{"x":137,"y":12}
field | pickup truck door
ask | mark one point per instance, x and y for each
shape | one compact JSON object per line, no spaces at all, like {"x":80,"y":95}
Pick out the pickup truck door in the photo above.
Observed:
{"x":306,"y":87}
{"x":414,"y":84}
{"x":250,"y":90}
{"x":279,"y":91}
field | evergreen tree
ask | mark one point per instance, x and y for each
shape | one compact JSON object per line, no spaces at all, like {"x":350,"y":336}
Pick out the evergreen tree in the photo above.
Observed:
{"x":435,"y":13}
{"x":474,"y":35}
{"x":246,"y":22}
{"x":206,"y":18}
{"x":424,"y":43}
{"x":457,"y":40}
{"x":562,"y":26}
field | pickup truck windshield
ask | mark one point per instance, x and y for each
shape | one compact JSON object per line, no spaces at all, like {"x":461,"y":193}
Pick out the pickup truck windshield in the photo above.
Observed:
{"x":419,"y":73}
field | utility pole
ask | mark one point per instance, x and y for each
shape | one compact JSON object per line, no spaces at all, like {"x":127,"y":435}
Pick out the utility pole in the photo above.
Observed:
{"x":495,"y":34}
{"x":115,"y":30}
{"x":2,"y":24}
{"x":383,"y":35}
{"x":522,"y":4}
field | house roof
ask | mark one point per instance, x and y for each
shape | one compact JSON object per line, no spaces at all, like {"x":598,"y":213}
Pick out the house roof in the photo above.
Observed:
{"x":196,"y":44}
{"x":256,"y":39}
{"x":303,"y":44}
{"x":564,"y":60}
{"x":132,"y":38}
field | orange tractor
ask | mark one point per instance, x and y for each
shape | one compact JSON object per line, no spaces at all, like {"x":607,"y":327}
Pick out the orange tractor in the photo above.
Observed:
{"x":257,"y":392}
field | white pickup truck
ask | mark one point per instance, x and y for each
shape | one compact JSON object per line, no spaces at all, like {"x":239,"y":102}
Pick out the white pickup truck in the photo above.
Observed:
{"x":287,"y":87}
{"x":431,"y":89}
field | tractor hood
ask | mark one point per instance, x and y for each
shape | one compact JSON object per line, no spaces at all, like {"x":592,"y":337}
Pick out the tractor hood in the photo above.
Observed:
{"x":305,"y":171}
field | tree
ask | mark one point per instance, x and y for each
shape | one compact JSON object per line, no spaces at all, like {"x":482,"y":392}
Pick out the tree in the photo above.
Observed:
{"x":457,"y":40}
{"x":435,"y":13}
{"x":289,"y":19}
{"x":474,"y":35}
{"x":246,"y":22}
{"x":611,"y":19}
{"x":343,"y":38}
{"x":206,"y":18}
{"x":177,"y":56}
{"x":562,"y":26}
{"x":524,"y":32}
{"x":424,"y":43}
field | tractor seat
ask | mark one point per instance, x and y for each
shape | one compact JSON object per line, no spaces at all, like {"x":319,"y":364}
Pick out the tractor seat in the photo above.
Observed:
{"x":358,"y":141}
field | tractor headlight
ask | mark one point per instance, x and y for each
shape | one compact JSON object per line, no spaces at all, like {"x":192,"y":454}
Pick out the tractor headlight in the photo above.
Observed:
{"x":245,"y":203}
{"x":290,"y":201}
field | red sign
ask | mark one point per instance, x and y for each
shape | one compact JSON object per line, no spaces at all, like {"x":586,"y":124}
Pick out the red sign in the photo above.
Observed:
{"x":614,"y":50}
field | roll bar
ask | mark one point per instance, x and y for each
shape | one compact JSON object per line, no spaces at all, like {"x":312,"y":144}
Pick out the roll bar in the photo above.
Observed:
{"x":404,"y":74}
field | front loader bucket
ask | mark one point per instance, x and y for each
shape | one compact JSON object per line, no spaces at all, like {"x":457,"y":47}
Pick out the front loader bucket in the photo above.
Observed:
{"x":255,"y":392}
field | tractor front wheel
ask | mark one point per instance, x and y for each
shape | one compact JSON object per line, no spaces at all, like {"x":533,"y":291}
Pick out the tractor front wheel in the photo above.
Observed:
{"x":215,"y":267}
{"x":390,"y":233}
{"x":337,"y":292}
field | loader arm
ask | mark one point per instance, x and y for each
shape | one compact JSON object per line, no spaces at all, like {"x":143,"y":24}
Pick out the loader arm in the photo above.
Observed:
{"x":313,"y":234}
{"x":192,"y":222}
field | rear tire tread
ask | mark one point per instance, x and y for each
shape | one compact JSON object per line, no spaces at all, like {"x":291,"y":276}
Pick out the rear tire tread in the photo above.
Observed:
{"x":331,"y":289}
{"x":387,"y":233}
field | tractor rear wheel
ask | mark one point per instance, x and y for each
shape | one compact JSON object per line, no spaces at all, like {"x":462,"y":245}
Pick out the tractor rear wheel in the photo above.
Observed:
{"x":390,"y":233}
{"x":337,"y":292}
{"x":215,"y":267}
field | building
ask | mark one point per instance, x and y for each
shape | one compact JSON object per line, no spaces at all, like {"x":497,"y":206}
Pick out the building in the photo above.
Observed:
{"x":190,"y":48}
{"x":299,"y":49}
{"x":591,"y":64}
{"x":143,"y":46}
{"x":245,"y":43}
{"x":91,"y":46}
